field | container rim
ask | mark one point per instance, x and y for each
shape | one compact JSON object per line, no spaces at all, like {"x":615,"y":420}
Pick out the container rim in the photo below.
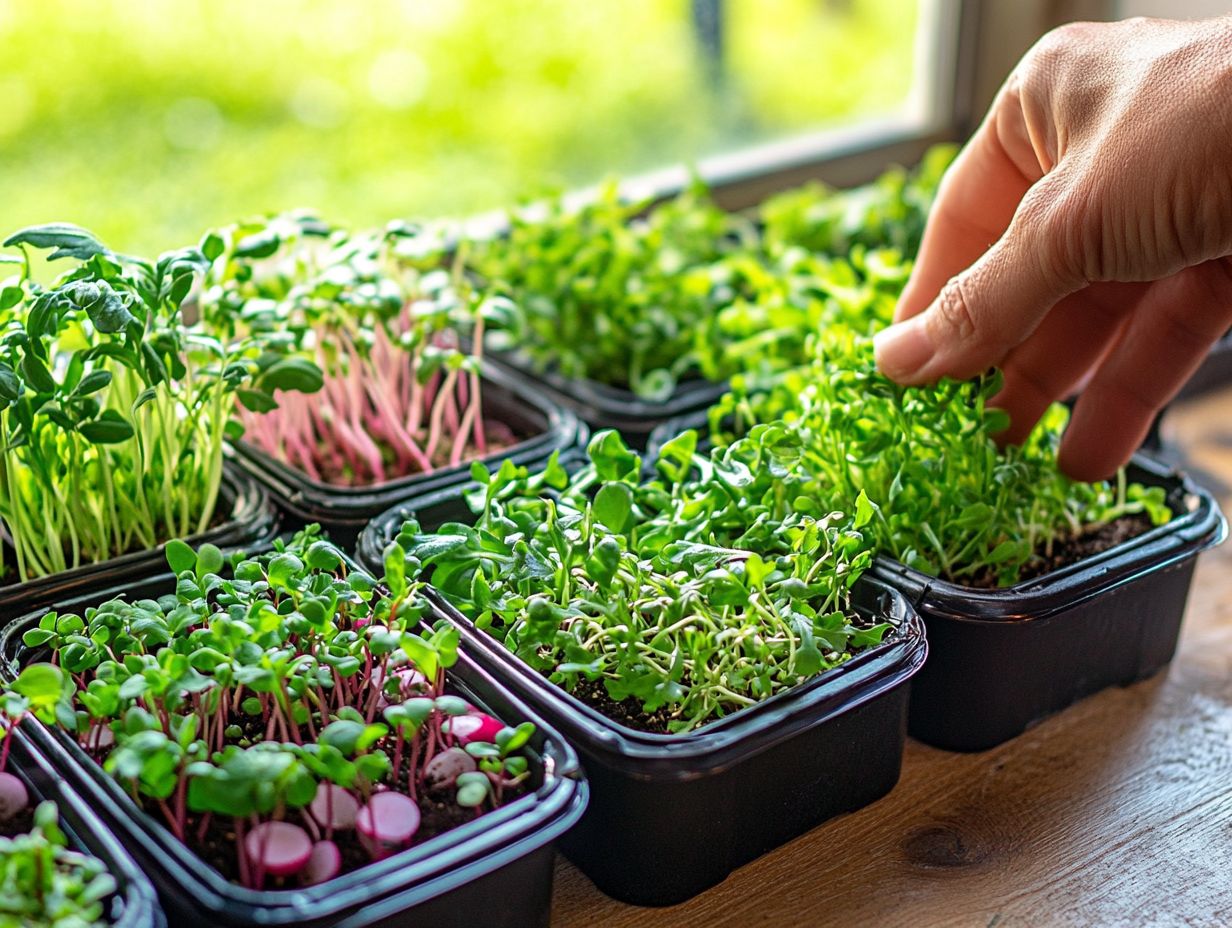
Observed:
{"x":1201,"y":526}
{"x":87,"y":832}
{"x":717,"y":745}
{"x":513,"y":830}
{"x":252,"y":519}
{"x":602,"y":399}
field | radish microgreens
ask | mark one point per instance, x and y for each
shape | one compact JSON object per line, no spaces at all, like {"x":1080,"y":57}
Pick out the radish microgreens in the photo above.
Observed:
{"x":281,"y":697}
{"x":400,"y":396}
{"x":113,"y":412}
{"x":697,"y":592}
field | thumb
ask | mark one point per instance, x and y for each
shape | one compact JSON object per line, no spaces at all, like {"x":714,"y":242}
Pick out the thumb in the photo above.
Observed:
{"x":986,"y":310}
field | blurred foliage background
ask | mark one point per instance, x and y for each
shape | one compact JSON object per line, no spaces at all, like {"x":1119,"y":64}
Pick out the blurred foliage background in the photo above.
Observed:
{"x":148,"y":121}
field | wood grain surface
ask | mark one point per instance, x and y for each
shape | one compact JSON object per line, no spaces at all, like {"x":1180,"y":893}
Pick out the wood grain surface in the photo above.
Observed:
{"x":1117,"y":811}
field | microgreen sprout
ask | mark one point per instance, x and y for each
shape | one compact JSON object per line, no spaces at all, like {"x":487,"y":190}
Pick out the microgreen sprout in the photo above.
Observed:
{"x":950,"y":502}
{"x":401,"y":395}
{"x":113,"y":411}
{"x":693,"y":594}
{"x":46,"y":884}
{"x":287,"y":699}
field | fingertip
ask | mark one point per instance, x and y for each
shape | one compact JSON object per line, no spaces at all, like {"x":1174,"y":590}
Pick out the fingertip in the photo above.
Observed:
{"x":903,"y":350}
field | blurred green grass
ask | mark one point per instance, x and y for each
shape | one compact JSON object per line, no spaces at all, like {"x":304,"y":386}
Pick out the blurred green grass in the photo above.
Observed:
{"x":148,"y":121}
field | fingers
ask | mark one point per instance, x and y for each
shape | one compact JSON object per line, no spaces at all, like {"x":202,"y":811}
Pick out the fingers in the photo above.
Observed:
{"x":1062,"y":353}
{"x":991,"y":307}
{"x":975,"y":202}
{"x":1161,"y":345}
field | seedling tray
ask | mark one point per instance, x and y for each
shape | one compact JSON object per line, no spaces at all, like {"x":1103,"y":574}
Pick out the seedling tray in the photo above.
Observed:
{"x":344,"y":511}
{"x":1002,"y":660}
{"x":601,"y":406}
{"x":496,"y":870}
{"x":134,"y":904}
{"x":672,"y":815}
{"x":251,"y":520}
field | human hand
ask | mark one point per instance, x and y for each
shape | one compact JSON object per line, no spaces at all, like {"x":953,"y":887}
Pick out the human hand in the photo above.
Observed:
{"x":1082,"y":237}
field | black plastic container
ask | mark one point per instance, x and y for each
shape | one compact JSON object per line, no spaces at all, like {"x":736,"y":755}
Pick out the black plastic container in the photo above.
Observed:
{"x":1001,"y":660}
{"x":496,"y":871}
{"x":601,"y":406}
{"x":344,"y":511}
{"x":672,"y":815}
{"x":247,"y":518}
{"x":134,"y":904}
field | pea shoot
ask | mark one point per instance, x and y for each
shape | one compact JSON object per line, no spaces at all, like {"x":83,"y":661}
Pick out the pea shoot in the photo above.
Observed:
{"x":113,"y":411}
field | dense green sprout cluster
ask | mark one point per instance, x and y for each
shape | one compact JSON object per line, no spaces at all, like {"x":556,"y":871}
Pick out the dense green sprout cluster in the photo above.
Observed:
{"x":265,"y":688}
{"x":951,"y":502}
{"x":643,"y":297}
{"x":114,"y":410}
{"x":695,"y":592}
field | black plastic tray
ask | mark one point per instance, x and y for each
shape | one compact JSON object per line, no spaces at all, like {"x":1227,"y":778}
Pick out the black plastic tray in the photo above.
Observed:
{"x":672,"y":815}
{"x":1002,"y":660}
{"x":344,"y":511}
{"x":495,"y":871}
{"x":252,"y":520}
{"x":605,"y":407}
{"x":134,"y":904}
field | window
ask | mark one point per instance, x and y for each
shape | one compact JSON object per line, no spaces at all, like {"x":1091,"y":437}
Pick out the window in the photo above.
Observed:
{"x":148,"y":122}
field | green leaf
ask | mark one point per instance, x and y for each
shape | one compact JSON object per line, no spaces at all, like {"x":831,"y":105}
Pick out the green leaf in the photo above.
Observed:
{"x":209,"y":560}
{"x":37,"y":375}
{"x":68,"y":240}
{"x":293,"y":374}
{"x":612,"y":458}
{"x":92,"y":382}
{"x":106,"y":431}
{"x":180,"y":556}
{"x":256,"y":401}
{"x":613,"y":505}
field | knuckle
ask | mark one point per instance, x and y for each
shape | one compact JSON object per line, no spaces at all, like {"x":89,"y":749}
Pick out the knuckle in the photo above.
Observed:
{"x":954,"y":315}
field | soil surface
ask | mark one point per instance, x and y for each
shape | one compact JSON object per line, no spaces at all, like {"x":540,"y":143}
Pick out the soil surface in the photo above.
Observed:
{"x":19,"y":824}
{"x":1069,"y":551}
{"x":627,"y":712}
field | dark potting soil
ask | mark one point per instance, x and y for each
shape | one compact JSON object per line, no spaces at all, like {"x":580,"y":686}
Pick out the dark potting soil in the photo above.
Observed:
{"x":1068,"y":551}
{"x":627,"y":712}
{"x":19,"y":824}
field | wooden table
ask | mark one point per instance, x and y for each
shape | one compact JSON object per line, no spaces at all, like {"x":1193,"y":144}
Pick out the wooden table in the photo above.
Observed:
{"x":1117,"y":811}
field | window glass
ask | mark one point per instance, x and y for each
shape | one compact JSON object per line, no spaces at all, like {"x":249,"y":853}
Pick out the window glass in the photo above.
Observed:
{"x":148,"y":121}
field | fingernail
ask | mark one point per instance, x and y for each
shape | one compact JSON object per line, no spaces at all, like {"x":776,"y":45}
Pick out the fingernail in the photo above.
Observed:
{"x":902,"y":349}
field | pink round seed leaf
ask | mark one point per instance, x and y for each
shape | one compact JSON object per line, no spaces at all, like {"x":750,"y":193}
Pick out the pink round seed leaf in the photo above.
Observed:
{"x":334,"y":807}
{"x":13,"y":796}
{"x":389,"y":819}
{"x":445,"y":768}
{"x":280,"y":848}
{"x":474,"y":726}
{"x":323,"y":863}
